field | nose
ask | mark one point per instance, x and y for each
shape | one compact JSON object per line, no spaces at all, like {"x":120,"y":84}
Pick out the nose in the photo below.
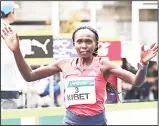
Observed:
{"x":84,"y":45}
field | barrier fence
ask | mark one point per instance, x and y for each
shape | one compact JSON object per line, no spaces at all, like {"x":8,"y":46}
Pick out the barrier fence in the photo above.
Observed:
{"x":54,"y":115}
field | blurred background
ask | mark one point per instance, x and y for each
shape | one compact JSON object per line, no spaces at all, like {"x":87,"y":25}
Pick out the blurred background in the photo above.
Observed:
{"x":45,"y":29}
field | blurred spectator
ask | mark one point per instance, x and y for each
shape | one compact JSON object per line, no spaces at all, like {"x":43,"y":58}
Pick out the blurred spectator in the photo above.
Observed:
{"x":12,"y":81}
{"x":56,"y":88}
{"x":132,"y":93}
{"x":45,"y":95}
{"x":149,"y":90}
{"x":128,"y":66}
{"x":39,"y":92}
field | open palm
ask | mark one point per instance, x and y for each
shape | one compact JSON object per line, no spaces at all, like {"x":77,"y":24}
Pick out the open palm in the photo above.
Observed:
{"x":147,"y":55}
{"x":10,"y":38}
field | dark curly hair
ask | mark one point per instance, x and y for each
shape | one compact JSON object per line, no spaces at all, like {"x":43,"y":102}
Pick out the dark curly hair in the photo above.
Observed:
{"x":91,"y":29}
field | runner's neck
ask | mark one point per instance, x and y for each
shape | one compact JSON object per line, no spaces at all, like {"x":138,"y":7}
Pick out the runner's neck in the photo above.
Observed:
{"x":82,"y":64}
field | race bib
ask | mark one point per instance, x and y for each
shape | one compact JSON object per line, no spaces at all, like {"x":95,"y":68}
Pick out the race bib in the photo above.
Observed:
{"x":80,"y":90}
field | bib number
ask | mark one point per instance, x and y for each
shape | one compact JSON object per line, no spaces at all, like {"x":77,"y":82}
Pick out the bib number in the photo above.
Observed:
{"x":80,"y":91}
{"x":77,"y":90}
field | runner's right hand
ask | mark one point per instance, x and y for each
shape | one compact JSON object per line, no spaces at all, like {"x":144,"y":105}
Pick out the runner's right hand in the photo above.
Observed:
{"x":10,"y":38}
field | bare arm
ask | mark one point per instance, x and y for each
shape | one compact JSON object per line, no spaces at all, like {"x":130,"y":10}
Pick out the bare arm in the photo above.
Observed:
{"x":135,"y":80}
{"x":42,"y":72}
{"x":128,"y":77}
{"x":12,"y":41}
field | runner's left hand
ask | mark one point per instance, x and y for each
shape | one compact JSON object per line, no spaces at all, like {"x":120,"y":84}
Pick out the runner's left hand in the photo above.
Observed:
{"x":147,"y":55}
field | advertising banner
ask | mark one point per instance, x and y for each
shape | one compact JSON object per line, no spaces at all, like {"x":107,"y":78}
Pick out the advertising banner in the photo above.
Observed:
{"x":64,"y":48}
{"x":40,"y":47}
{"x":110,"y":49}
{"x":37,"y":46}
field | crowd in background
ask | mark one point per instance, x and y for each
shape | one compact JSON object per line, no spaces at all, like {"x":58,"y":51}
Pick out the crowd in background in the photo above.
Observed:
{"x":149,"y":90}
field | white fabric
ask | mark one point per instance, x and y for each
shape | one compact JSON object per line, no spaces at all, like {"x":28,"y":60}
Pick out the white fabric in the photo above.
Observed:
{"x":11,"y":79}
{"x":80,"y":90}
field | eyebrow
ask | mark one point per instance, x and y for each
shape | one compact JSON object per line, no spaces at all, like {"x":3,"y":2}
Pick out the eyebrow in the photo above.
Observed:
{"x":84,"y":39}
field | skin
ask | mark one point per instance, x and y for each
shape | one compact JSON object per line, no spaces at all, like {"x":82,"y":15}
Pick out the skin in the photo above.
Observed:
{"x":11,"y":18}
{"x":85,"y":44}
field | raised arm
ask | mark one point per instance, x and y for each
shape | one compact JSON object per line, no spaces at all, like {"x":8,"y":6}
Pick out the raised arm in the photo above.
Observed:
{"x":135,"y":80}
{"x":12,"y":41}
{"x":127,"y":76}
{"x":32,"y":75}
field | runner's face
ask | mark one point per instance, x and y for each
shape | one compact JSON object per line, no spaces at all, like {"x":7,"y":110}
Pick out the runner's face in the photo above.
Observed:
{"x":85,"y":43}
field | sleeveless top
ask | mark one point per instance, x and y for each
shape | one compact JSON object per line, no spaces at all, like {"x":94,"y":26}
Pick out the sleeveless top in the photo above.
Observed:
{"x":85,"y":91}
